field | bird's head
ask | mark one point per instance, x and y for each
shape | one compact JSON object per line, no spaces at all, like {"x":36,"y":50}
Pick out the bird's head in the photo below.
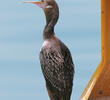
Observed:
{"x":50,"y":8}
{"x":51,"y":11}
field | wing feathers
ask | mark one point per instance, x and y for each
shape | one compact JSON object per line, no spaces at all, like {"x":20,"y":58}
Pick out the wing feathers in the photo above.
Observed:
{"x":57,"y":68}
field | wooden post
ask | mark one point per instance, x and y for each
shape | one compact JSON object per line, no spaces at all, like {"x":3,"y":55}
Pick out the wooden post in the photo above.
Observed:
{"x":99,"y":85}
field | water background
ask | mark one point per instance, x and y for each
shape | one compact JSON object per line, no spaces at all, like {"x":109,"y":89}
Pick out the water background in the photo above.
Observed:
{"x":21,"y":27}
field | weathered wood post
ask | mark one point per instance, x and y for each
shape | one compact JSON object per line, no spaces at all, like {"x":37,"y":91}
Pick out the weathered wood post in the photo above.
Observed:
{"x":99,"y":85}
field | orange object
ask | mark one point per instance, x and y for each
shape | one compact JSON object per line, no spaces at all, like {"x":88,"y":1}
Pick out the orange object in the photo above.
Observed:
{"x":99,"y":85}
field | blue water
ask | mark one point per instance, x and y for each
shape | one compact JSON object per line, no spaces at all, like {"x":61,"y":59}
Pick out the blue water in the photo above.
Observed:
{"x":21,"y":27}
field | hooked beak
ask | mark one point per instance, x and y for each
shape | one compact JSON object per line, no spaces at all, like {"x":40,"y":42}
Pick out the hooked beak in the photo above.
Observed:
{"x":41,"y":4}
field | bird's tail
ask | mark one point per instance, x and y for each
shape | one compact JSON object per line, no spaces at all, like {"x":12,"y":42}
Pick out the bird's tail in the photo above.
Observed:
{"x":63,"y":96}
{"x":54,"y":94}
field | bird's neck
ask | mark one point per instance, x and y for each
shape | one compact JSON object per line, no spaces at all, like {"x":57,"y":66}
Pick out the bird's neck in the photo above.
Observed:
{"x":51,"y":20}
{"x":49,"y":30}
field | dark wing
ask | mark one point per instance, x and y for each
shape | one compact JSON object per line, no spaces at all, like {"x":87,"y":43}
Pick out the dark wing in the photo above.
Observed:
{"x":57,"y":67}
{"x":69,"y":65}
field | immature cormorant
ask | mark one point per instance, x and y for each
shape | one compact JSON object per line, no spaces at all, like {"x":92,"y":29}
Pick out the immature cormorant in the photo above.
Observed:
{"x":55,"y":58}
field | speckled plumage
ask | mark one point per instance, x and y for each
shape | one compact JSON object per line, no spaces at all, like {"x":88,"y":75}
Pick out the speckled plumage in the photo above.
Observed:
{"x":55,"y":58}
{"x":57,"y":67}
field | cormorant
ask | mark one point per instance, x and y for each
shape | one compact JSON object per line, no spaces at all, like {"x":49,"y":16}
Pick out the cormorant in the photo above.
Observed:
{"x":55,"y":58}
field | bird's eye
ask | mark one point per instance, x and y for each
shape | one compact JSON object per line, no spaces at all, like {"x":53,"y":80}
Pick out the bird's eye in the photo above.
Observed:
{"x":48,"y":6}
